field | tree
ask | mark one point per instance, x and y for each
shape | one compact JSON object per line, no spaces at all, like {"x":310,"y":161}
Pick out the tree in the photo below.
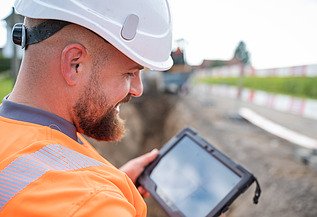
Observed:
{"x":241,"y":53}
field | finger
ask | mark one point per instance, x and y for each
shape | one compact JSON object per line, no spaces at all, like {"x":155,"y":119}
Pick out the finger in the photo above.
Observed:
{"x":148,"y":157}
{"x":146,"y":195}
{"x":143,"y":192}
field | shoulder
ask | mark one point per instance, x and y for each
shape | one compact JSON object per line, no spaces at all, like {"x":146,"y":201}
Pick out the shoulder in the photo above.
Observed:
{"x":55,"y":177}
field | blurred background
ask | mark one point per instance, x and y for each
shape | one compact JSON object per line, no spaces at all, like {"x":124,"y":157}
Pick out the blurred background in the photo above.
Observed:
{"x":245,"y":77}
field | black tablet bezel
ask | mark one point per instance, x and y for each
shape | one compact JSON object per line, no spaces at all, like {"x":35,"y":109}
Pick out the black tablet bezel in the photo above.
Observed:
{"x":246,"y":177}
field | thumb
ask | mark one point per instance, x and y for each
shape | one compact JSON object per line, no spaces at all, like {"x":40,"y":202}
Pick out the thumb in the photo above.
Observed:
{"x":148,"y":157}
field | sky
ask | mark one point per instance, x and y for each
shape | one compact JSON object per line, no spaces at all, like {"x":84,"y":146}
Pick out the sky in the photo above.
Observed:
{"x":277,"y":33}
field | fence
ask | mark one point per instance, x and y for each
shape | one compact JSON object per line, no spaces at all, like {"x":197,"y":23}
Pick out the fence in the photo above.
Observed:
{"x":235,"y":70}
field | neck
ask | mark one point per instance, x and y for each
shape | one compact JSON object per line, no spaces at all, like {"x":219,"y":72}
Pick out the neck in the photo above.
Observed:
{"x":41,"y":91}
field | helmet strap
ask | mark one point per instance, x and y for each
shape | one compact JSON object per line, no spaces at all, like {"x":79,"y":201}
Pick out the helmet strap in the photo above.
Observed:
{"x":25,"y":36}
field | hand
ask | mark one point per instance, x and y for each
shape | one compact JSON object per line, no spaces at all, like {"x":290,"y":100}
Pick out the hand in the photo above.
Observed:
{"x":135,"y":167}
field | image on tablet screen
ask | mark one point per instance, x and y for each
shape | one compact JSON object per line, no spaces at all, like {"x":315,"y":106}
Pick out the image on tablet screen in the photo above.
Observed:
{"x":191,"y":180}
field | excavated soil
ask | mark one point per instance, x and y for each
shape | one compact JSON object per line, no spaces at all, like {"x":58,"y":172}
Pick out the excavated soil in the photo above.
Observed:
{"x":289,"y":188}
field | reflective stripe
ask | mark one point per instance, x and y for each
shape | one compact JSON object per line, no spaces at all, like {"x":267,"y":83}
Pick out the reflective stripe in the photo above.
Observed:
{"x":28,"y":168}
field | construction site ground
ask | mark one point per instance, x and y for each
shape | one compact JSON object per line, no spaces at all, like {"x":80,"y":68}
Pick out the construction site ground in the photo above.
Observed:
{"x":289,"y":187}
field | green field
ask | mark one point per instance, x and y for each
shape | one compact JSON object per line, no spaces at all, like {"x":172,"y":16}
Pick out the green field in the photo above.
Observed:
{"x":6,"y":85}
{"x":295,"y":86}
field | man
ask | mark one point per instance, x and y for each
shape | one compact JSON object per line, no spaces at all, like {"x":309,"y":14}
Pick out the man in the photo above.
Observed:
{"x":82,"y":60}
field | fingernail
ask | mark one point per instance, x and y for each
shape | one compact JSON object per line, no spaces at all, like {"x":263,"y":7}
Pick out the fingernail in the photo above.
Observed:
{"x":154,"y":150}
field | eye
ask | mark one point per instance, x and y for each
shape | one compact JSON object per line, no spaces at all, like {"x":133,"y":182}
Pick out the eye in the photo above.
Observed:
{"x":130,"y":74}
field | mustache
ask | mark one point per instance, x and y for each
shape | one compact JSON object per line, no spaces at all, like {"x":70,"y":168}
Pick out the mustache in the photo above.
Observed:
{"x":126,"y":99}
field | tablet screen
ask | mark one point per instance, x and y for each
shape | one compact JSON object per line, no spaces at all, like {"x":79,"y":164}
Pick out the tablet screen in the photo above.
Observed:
{"x":191,"y":180}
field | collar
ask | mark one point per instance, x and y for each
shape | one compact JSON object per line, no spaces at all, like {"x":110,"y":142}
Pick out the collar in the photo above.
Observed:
{"x":20,"y":112}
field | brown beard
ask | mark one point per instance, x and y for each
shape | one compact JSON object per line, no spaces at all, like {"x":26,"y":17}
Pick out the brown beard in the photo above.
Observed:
{"x":108,"y":127}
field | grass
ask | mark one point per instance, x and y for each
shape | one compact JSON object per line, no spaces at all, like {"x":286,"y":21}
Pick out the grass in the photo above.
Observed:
{"x":305,"y":87}
{"x":6,"y":85}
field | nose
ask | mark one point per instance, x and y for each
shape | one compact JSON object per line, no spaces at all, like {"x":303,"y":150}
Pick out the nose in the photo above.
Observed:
{"x":136,"y":88}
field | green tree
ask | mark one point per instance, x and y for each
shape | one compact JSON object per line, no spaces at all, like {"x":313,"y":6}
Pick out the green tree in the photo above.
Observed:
{"x":242,"y":54}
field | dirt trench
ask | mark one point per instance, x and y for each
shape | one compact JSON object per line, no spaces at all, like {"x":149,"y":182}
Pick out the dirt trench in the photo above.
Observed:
{"x":289,"y":187}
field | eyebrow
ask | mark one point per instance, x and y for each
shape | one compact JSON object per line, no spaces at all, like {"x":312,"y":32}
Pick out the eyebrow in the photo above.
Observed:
{"x":137,"y":67}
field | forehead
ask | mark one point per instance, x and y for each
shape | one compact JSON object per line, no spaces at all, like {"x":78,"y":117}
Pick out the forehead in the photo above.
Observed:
{"x":116,"y":57}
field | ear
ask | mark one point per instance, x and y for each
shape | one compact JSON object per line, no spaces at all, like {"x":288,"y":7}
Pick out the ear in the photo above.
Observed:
{"x":73,"y":56}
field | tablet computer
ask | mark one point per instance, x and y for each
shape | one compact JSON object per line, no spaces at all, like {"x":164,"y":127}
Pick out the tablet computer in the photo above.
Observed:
{"x":190,"y":177}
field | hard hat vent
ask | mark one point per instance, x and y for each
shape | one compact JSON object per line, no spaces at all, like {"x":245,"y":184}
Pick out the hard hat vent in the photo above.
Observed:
{"x":130,"y":27}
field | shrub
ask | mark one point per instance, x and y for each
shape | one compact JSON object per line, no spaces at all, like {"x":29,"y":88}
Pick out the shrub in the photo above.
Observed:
{"x":6,"y":85}
{"x":4,"y":64}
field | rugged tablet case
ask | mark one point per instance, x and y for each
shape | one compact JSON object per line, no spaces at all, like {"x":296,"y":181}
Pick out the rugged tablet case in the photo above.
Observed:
{"x":246,"y":177}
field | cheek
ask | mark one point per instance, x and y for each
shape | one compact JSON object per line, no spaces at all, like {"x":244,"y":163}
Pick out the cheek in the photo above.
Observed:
{"x":117,"y":92}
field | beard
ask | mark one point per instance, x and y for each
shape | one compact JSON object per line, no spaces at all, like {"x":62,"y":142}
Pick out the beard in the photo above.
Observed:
{"x":105,"y":127}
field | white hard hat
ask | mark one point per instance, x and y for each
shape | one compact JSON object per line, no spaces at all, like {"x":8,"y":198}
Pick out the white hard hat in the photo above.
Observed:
{"x":140,"y":29}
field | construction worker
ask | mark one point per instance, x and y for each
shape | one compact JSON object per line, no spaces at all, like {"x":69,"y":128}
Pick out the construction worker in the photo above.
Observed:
{"x":82,"y":60}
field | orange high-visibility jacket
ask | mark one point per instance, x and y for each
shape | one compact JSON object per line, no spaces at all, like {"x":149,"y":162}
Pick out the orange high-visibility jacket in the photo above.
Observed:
{"x":45,"y":172}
